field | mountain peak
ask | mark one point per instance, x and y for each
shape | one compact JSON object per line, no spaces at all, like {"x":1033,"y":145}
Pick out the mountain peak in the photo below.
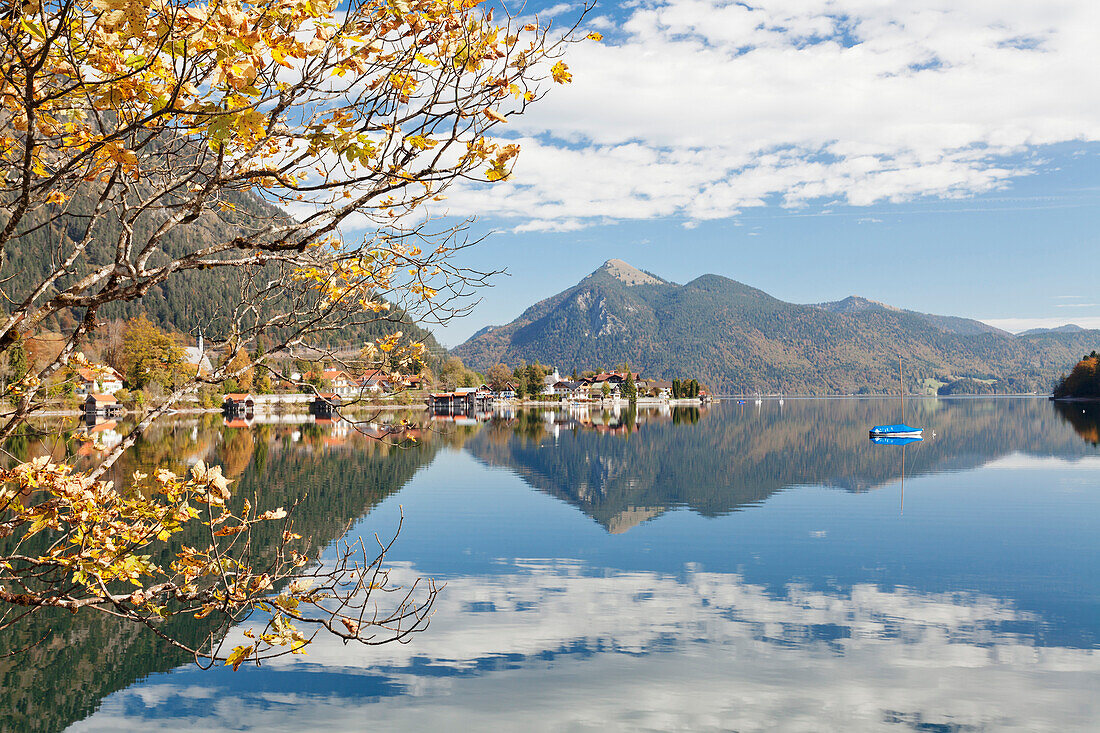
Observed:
{"x":853,"y":304}
{"x":629,"y":274}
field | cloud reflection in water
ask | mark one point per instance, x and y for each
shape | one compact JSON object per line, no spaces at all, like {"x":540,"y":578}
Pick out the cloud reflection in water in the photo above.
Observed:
{"x":561,"y":645}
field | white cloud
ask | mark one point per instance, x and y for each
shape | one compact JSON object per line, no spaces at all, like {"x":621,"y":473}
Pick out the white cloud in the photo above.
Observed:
{"x":699,"y":109}
{"x":555,"y":10}
{"x":1078,"y":305}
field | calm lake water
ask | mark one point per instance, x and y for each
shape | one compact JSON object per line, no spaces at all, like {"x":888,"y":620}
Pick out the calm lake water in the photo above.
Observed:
{"x":756,"y":567}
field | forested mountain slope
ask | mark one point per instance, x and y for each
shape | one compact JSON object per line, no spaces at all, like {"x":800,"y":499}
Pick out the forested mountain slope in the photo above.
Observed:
{"x":732,"y":336}
{"x":185,"y":301}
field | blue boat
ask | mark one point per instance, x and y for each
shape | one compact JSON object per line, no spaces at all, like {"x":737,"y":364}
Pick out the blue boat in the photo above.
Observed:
{"x":896,"y":431}
{"x":895,"y":441}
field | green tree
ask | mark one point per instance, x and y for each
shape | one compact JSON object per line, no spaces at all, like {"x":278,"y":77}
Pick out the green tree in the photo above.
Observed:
{"x":606,"y":390}
{"x":533,"y":375}
{"x":629,"y":388}
{"x":675,"y":389}
{"x":17,"y":360}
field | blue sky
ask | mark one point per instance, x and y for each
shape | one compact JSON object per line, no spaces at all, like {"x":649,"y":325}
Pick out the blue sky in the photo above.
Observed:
{"x":938,"y":155}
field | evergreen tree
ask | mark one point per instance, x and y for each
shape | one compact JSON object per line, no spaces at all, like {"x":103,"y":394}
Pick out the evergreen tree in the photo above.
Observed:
{"x":17,"y":360}
{"x":534,"y":375}
{"x":629,"y":388}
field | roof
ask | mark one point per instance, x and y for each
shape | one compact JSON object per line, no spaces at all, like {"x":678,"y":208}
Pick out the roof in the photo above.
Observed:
{"x":568,"y":384}
{"x":239,"y":396}
{"x":105,"y":399}
{"x":328,"y":395}
{"x":91,"y":375}
{"x":376,"y":376}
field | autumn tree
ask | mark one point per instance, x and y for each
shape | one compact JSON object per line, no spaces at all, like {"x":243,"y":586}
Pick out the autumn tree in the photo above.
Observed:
{"x":291,"y":146}
{"x":241,"y":366}
{"x":499,"y":376}
{"x":150,"y":355}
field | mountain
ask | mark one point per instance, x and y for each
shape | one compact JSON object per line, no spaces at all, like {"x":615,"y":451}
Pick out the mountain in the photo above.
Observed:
{"x":1068,"y":328}
{"x":949,"y":324}
{"x":732,"y":336}
{"x":185,"y":300}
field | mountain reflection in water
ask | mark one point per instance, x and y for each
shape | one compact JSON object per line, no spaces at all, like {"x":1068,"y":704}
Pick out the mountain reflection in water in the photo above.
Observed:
{"x":747,"y":568}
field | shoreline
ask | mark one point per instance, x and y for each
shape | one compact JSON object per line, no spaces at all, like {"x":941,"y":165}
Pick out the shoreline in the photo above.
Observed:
{"x":294,"y":407}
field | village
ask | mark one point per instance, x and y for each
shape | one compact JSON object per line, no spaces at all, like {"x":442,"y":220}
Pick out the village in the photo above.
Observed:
{"x":613,"y":386}
{"x":149,"y":364}
{"x":325,"y":391}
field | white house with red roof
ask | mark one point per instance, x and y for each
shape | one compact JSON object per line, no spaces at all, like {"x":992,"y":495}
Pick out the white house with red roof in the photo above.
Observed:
{"x":98,"y":380}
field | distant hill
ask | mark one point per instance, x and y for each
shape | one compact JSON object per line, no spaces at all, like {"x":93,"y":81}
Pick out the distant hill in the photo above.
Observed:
{"x":948,"y":324}
{"x":733,"y":336}
{"x":1068,"y":328}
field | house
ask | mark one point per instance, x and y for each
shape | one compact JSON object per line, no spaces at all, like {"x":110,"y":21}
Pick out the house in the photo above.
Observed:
{"x":376,"y":382}
{"x":238,"y":402}
{"x":613,"y":378}
{"x":464,"y":399}
{"x":343,"y":384}
{"x":658,"y":388}
{"x":101,"y":404}
{"x":98,"y":380}
{"x":324,"y":404}
{"x":507,"y":392}
{"x":569,"y":389}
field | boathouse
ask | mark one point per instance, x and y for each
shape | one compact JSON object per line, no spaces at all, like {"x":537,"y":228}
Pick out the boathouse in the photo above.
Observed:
{"x":238,"y":402}
{"x":101,"y":404}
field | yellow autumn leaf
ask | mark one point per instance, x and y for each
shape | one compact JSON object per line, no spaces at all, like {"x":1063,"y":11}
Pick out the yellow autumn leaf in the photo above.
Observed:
{"x":238,"y":655}
{"x":495,"y":116}
{"x":595,"y":36}
{"x":561,"y":73}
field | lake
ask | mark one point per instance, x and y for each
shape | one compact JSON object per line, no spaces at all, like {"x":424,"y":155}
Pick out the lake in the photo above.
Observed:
{"x":742,"y":567}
